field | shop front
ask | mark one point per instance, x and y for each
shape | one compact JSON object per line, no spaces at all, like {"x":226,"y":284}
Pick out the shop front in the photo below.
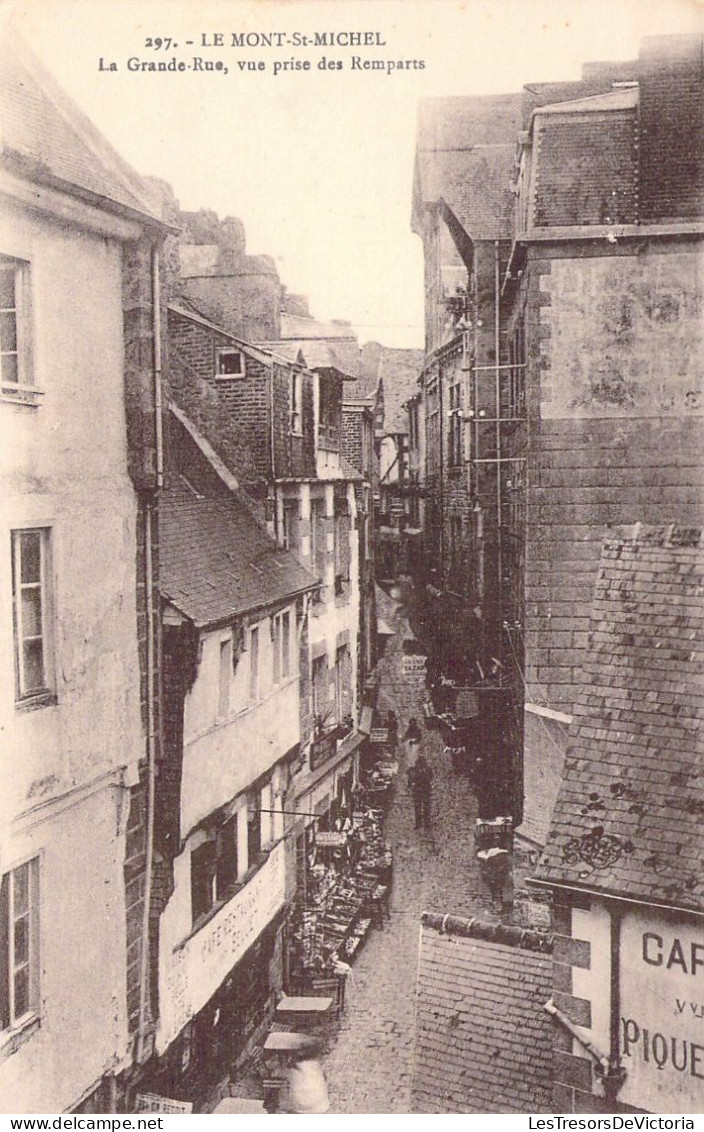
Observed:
{"x":219,"y":988}
{"x":344,"y":868}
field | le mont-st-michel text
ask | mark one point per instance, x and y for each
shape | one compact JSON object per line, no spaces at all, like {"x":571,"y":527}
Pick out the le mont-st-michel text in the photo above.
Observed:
{"x":275,"y":52}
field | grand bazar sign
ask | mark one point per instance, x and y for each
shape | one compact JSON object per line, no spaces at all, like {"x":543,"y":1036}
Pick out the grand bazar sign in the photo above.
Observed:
{"x":198,"y":967}
{"x":662,"y":1013}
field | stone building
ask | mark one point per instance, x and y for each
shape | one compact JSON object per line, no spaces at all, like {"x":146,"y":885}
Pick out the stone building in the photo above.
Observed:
{"x":240,"y":292}
{"x":578,"y":389}
{"x":233,"y":613}
{"x":462,"y":211}
{"x":80,"y":327}
{"x":483,"y":1042}
{"x":390,"y":377}
{"x":273,"y":416}
{"x":624,"y":852}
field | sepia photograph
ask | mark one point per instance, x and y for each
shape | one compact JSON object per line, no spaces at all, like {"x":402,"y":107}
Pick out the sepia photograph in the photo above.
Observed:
{"x":352,"y":560}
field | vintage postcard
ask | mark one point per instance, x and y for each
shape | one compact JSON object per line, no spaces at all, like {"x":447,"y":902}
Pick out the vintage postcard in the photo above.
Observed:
{"x":351,"y":558}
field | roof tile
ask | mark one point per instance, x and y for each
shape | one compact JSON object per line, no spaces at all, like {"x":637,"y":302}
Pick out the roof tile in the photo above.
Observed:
{"x":480,"y":992}
{"x":628,"y":814}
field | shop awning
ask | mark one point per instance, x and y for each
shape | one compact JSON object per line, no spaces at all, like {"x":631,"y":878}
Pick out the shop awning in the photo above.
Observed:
{"x":350,"y":743}
{"x":239,"y":1105}
{"x":288,"y":1041}
{"x":365,"y":722}
{"x":383,"y":629}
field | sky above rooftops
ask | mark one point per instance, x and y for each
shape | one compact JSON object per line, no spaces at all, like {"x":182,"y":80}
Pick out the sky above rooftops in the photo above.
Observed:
{"x":318,"y":164}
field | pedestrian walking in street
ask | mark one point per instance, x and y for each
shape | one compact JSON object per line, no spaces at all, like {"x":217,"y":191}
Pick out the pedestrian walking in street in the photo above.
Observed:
{"x":420,"y":780}
{"x":392,"y":728}
{"x":307,"y":1088}
{"x":413,"y":732}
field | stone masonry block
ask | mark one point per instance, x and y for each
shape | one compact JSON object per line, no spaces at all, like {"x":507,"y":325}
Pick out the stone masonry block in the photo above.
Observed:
{"x":578,"y":1010}
{"x":571,"y":1070}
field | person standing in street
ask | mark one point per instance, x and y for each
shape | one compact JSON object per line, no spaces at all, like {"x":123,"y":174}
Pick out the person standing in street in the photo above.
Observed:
{"x":420,"y":779}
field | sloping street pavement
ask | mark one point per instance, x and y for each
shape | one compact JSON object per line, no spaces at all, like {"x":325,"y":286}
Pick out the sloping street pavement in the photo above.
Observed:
{"x":369,"y":1067}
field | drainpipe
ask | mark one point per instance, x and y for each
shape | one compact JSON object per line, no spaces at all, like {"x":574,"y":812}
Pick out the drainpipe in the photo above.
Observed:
{"x":144,"y":1020}
{"x":614,"y":1078}
{"x":273,"y":449}
{"x":497,"y":395}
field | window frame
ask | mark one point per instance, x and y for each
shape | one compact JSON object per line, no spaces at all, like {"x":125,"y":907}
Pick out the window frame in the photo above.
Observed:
{"x":253,"y":650}
{"x":296,"y":407}
{"x":217,"y":847}
{"x":229,"y":351}
{"x":10,"y":967}
{"x":318,"y":544}
{"x":281,"y":647}
{"x":24,"y":389}
{"x":224,"y":677}
{"x":46,"y":693}
{"x":454,"y":454}
{"x":290,"y":520}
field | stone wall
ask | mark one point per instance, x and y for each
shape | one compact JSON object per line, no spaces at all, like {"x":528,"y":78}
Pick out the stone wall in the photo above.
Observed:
{"x":616,"y":388}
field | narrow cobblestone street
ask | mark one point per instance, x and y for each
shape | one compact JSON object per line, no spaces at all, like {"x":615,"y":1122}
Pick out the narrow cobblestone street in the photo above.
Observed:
{"x":432,"y":872}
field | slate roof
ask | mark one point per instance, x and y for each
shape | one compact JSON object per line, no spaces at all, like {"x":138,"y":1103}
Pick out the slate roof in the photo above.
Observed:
{"x":465,"y":156}
{"x":628,"y":817}
{"x":483,"y":1042}
{"x":338,"y":336}
{"x":216,"y":559}
{"x":399,"y":371}
{"x":624,"y":99}
{"x":46,"y":138}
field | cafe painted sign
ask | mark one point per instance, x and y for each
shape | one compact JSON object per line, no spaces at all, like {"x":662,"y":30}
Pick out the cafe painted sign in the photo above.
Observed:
{"x":152,"y":1102}
{"x":195,"y":969}
{"x":662,"y":1013}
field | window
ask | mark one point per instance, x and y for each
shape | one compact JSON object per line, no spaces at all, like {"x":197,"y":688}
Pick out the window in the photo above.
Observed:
{"x":31,"y":613}
{"x":286,"y":644}
{"x":330,"y":413}
{"x":455,"y":435}
{"x":254,"y":828}
{"x":254,"y":663}
{"x":281,"y":642}
{"x":456,"y":556}
{"x":226,"y":859}
{"x":321,"y":703}
{"x":296,"y":411}
{"x":19,"y":943}
{"x":229,"y":362}
{"x":203,"y":869}
{"x":342,"y":546}
{"x":214,"y":868}
{"x":290,"y":525}
{"x":517,"y":362}
{"x":276,"y":648}
{"x":224,"y":680}
{"x":15,"y":361}
{"x":343,"y":681}
{"x":318,"y":540}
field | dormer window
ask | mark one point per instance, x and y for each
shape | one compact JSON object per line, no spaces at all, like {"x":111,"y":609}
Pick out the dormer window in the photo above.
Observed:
{"x":229,"y":363}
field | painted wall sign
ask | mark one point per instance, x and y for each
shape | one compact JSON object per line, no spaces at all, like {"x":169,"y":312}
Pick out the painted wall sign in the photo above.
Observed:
{"x":662,"y":1013}
{"x":334,"y":840}
{"x":152,"y":1102}
{"x":197,"y":968}
{"x":413,"y":668}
